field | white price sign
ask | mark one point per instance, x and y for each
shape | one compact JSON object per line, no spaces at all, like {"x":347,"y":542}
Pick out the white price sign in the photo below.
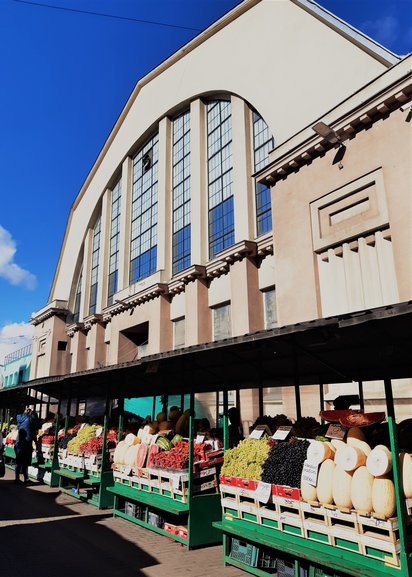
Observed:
{"x":99,"y":432}
{"x":282,"y":433}
{"x":310,"y":473}
{"x":263,"y":492}
{"x":176,"y":482}
{"x":256,"y":434}
{"x":200,"y":438}
{"x":127,"y":470}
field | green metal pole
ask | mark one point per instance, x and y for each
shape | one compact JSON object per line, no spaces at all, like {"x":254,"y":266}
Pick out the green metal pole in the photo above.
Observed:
{"x":121,"y":417}
{"x":321,"y":400}
{"x":105,"y":429}
{"x":191,"y":443}
{"x":154,"y":408}
{"x":225,"y":421}
{"x":397,"y":479}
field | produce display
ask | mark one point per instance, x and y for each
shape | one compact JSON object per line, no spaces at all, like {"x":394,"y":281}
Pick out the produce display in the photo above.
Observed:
{"x":355,"y":476}
{"x":284,"y":462}
{"x":83,"y":435}
{"x":246,"y":459}
{"x":94,"y":445}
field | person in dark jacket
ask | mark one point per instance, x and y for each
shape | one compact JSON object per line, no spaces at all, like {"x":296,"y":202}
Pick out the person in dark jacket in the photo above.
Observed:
{"x":23,"y":446}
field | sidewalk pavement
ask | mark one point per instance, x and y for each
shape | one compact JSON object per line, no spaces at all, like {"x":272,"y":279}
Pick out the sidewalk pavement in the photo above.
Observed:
{"x":45,"y":532}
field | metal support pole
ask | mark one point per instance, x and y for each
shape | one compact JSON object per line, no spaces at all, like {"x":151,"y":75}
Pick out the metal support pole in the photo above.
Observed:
{"x":154,"y":408}
{"x":361,"y":397}
{"x":296,"y":384}
{"x":225,"y":420}
{"x":120,"y":403}
{"x":191,"y":443}
{"x":397,"y":478}
{"x":260,"y":400}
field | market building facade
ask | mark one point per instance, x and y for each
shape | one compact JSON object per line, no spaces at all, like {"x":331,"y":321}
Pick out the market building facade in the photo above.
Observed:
{"x":172,"y":241}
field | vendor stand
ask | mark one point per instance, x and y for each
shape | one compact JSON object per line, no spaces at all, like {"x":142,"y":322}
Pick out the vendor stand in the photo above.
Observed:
{"x":369,"y":345}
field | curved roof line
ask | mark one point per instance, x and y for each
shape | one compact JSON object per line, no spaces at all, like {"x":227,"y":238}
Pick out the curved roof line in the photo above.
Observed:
{"x":365,"y":43}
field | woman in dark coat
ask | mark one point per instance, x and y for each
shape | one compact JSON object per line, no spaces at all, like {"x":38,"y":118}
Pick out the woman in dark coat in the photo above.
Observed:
{"x":23,"y":446}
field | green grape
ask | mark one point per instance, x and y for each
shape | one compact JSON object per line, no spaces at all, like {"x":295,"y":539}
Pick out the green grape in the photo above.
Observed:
{"x":246,"y":459}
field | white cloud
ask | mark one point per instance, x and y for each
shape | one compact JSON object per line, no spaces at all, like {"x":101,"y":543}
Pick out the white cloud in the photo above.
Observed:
{"x":9,"y":270}
{"x":14,"y":337}
{"x":385,"y":30}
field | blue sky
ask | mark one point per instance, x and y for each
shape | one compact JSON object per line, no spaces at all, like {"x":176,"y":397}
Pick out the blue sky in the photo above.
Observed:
{"x":65,"y":78}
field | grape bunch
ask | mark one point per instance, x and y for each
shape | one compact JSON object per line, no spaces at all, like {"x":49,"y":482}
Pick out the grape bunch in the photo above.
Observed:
{"x":246,"y":459}
{"x":284,"y":463}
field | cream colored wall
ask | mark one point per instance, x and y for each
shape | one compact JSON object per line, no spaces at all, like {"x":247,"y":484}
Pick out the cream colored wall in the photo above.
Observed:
{"x":386,"y":144}
{"x":252,"y":57}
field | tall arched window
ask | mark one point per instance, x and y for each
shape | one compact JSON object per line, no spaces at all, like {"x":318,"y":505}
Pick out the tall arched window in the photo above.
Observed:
{"x":78,"y":299}
{"x":143,"y":248}
{"x":220,"y":168}
{"x":95,"y":266}
{"x":262,"y":145}
{"x":181,"y":192}
{"x":114,"y":242}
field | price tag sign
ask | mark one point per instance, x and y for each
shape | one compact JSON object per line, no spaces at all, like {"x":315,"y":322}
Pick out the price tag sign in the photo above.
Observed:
{"x":263,"y":492}
{"x":336,"y":431}
{"x":282,"y":433}
{"x":99,"y":432}
{"x":93,"y":459}
{"x":64,"y":453}
{"x":310,"y":473}
{"x":176,"y":482}
{"x":200,"y":438}
{"x":127,"y":470}
{"x":259,"y":431}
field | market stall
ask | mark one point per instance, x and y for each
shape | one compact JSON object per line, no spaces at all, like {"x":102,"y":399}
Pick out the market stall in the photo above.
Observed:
{"x":166,"y":476}
{"x":286,"y":533}
{"x":84,"y":455}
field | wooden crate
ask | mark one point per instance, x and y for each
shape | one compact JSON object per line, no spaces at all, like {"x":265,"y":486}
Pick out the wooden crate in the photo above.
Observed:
{"x":291,"y":523}
{"x":382,"y":548}
{"x":289,"y":507}
{"x":230,"y":507}
{"x":345,"y":538}
{"x":376,"y":527}
{"x":343,"y":519}
{"x":269,"y":516}
{"x":248,"y":510}
{"x":316,"y":530}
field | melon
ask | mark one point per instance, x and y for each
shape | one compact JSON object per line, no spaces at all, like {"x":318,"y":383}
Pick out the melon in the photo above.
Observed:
{"x":351,"y":458}
{"x":379,"y":461}
{"x":308,"y":491}
{"x":130,"y":439}
{"x":141,"y":455}
{"x":406,"y":468}
{"x":119,"y":453}
{"x":337,"y":444}
{"x":383,"y":496}
{"x":318,"y":452}
{"x":361,"y":491}
{"x":362,"y":445}
{"x":341,"y":488}
{"x":355,"y":433}
{"x":331,"y":447}
{"x":325,"y":479}
{"x":130,"y":455}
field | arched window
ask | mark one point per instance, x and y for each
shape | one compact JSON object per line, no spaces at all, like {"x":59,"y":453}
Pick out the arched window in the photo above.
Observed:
{"x":78,"y":299}
{"x":143,"y":247}
{"x":181,"y":192}
{"x":114,"y":242}
{"x":262,"y":145}
{"x":95,"y":267}
{"x":220,"y":168}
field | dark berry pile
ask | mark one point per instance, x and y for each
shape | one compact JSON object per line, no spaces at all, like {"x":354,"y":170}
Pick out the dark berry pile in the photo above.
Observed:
{"x":284,"y":463}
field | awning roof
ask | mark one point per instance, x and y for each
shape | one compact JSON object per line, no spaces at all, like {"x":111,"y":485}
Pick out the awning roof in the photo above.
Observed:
{"x":368,"y":345}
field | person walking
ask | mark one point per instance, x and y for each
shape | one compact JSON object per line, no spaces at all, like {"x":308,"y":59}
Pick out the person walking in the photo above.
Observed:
{"x":23,"y":446}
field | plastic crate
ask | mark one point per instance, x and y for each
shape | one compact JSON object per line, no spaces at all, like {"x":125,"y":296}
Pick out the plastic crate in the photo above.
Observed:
{"x":285,"y":568}
{"x":244,"y":552}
